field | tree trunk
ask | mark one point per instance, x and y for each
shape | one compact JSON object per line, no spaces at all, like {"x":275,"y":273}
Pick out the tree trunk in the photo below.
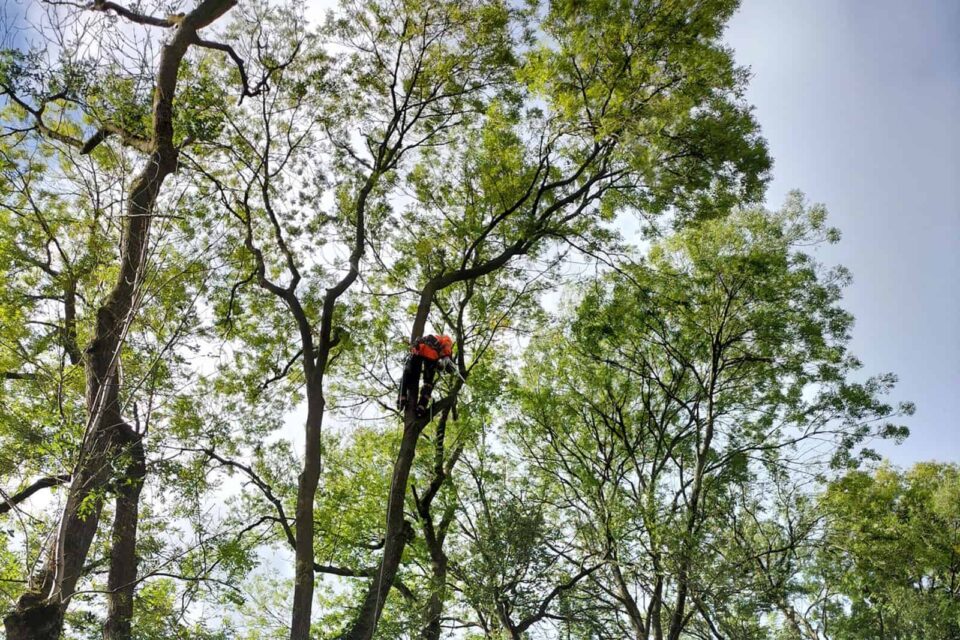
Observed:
{"x":654,"y":622}
{"x":34,"y":618}
{"x":122,"y":579}
{"x":314,"y":371}
{"x":306,"y":492}
{"x":633,"y":611}
{"x":39,"y":612}
{"x":433,"y":611}
{"x":51,"y":589}
{"x":434,"y":536}
{"x":81,"y":515}
{"x":398,"y":533}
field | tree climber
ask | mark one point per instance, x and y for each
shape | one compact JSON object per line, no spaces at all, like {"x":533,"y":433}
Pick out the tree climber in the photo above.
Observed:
{"x":427,"y":354}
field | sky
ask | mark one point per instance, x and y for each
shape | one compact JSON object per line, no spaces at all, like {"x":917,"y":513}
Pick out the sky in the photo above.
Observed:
{"x":860,"y":104}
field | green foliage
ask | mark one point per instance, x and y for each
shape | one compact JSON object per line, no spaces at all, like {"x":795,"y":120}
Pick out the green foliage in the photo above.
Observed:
{"x":633,"y":467}
{"x":891,"y":553}
{"x":714,"y":365}
{"x":156,"y":616}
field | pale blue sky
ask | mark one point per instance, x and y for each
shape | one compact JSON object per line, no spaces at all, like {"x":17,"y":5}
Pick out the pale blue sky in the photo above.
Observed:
{"x":860,"y":102}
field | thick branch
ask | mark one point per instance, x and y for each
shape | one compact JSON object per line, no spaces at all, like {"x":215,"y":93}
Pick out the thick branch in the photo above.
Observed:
{"x":128,"y":139}
{"x":542,"y":610}
{"x":133,"y":16}
{"x":248,"y":91}
{"x":43,"y":483}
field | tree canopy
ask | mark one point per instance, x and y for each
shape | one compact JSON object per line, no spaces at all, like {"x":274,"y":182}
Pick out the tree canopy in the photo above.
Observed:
{"x":223,"y":226}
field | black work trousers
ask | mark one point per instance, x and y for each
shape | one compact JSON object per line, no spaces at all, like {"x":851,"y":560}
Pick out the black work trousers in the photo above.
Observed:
{"x":412,"y":370}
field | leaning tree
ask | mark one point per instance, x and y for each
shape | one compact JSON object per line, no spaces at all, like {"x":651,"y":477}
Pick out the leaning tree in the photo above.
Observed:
{"x":71,"y":98}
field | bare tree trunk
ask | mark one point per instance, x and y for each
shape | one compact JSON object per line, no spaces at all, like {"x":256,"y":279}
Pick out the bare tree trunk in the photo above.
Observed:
{"x":433,"y":611}
{"x":306,"y":492}
{"x":654,"y":622}
{"x":434,"y":534}
{"x":506,"y":623}
{"x":633,"y":611}
{"x":34,"y":618}
{"x":121,"y":581}
{"x":398,"y":533}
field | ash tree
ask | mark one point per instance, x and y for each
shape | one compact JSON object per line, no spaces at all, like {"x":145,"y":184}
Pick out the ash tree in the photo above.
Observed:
{"x":675,"y":401}
{"x":882,"y":560}
{"x":426,"y":163}
{"x":402,"y":166}
{"x":75,"y":113}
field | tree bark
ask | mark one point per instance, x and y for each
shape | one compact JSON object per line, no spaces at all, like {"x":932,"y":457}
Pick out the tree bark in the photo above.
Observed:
{"x":633,"y":611}
{"x":10,"y":503}
{"x":122,"y":579}
{"x":34,"y":617}
{"x":433,"y":611}
{"x":306,"y":493}
{"x":398,"y":533}
{"x":434,"y":534}
{"x":654,"y":622}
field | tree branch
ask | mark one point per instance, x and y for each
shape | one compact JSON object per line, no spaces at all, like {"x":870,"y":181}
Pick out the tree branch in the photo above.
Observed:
{"x":248,"y":91}
{"x":541,"y":613}
{"x":16,"y":375}
{"x":42,"y":483}
{"x":262,"y":485}
{"x":139,"y":18}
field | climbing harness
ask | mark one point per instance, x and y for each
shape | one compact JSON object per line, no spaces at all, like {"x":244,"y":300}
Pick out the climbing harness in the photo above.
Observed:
{"x":428,"y":356}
